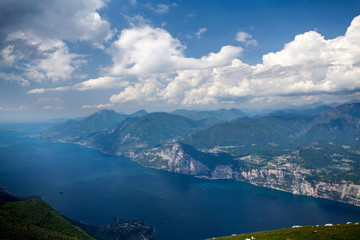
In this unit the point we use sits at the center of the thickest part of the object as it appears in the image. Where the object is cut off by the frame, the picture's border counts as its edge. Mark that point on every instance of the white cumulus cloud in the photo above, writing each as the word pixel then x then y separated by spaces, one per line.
pixel 310 65
pixel 149 65
pixel 246 38
pixel 33 35
pixel 145 50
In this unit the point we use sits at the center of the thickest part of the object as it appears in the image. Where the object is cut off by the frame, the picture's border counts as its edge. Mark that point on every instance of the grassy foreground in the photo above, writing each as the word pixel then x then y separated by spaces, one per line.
pixel 35 219
pixel 342 231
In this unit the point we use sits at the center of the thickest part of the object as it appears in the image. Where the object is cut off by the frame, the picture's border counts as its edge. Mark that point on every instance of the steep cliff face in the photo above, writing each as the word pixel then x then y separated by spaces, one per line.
pixel 171 158
pixel 296 183
pixel 279 173
pixel 180 162
pixel 223 172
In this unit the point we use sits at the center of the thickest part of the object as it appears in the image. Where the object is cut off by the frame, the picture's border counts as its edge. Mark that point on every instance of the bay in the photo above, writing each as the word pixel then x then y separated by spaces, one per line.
pixel 92 187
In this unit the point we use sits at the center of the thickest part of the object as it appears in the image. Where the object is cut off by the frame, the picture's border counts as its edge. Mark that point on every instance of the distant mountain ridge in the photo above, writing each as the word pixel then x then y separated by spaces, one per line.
pixel 313 152
pixel 73 130
pixel 339 125
pixel 301 112
pixel 211 117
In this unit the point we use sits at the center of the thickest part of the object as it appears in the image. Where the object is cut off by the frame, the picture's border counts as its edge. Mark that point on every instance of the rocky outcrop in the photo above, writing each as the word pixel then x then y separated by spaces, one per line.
pixel 223 172
pixel 296 183
pixel 180 162
pixel 171 158
pixel 288 177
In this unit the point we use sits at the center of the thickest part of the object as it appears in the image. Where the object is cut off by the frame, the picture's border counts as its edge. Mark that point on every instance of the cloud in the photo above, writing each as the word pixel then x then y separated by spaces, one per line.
pixel 33 35
pixel 137 20
pixel 105 82
pixel 41 58
pixel 6 56
pixel 52 107
pixel 101 83
pixel 107 105
pixel 142 51
pixel 52 19
pixel 308 66
pixel 159 8
pixel 47 101
pixel 246 38
pixel 11 77
pixel 147 91
pixel 37 90
pixel 201 31
pixel 149 65
pixel 133 2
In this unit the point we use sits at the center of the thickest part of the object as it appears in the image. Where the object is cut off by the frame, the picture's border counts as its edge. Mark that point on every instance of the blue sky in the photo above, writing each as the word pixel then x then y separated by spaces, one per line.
pixel 72 58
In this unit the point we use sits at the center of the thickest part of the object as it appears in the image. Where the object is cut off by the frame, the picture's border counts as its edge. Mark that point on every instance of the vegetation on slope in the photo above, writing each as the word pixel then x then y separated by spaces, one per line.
pixel 339 232
pixel 35 219
pixel 147 131
pixel 244 136
pixel 120 230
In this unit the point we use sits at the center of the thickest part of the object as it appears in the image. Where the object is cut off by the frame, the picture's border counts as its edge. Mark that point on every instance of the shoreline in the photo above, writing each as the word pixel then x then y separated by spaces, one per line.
pixel 132 158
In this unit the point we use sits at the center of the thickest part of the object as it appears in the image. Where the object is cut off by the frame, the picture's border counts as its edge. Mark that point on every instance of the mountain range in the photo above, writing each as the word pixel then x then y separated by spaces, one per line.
pixel 312 152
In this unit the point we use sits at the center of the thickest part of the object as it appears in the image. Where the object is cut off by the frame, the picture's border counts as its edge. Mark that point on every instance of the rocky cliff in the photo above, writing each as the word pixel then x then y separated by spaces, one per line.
pixel 280 172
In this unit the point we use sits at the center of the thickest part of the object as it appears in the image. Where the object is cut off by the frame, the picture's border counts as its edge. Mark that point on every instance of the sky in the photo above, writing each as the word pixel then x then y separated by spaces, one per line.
pixel 70 58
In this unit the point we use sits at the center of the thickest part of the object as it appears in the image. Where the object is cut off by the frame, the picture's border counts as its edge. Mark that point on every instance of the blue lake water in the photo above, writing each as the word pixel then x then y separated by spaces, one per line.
pixel 97 187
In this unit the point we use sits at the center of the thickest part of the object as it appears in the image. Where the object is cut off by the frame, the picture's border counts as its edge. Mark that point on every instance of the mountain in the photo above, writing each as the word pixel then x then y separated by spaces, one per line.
pixel 101 120
pixel 314 153
pixel 35 219
pixel 278 131
pixel 76 130
pixel 139 113
pixel 244 136
pixel 340 125
pixel 310 155
pixel 301 112
pixel 73 130
pixel 211 117
pixel 148 131
pixel 349 231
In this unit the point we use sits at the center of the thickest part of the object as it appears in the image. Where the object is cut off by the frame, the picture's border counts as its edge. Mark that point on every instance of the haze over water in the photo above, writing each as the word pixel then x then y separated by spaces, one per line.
pixel 89 186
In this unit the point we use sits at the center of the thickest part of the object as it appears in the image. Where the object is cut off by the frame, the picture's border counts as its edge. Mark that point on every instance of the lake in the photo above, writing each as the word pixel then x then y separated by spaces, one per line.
pixel 92 187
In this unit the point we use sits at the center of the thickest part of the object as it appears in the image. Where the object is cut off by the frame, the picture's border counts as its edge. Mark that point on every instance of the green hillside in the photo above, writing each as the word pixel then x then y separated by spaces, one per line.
pixel 246 135
pixel 35 219
pixel 147 131
pixel 281 131
pixel 339 232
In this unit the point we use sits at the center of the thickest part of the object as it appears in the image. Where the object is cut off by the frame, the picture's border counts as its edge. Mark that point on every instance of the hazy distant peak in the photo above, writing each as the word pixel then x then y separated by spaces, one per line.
pixel 139 113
